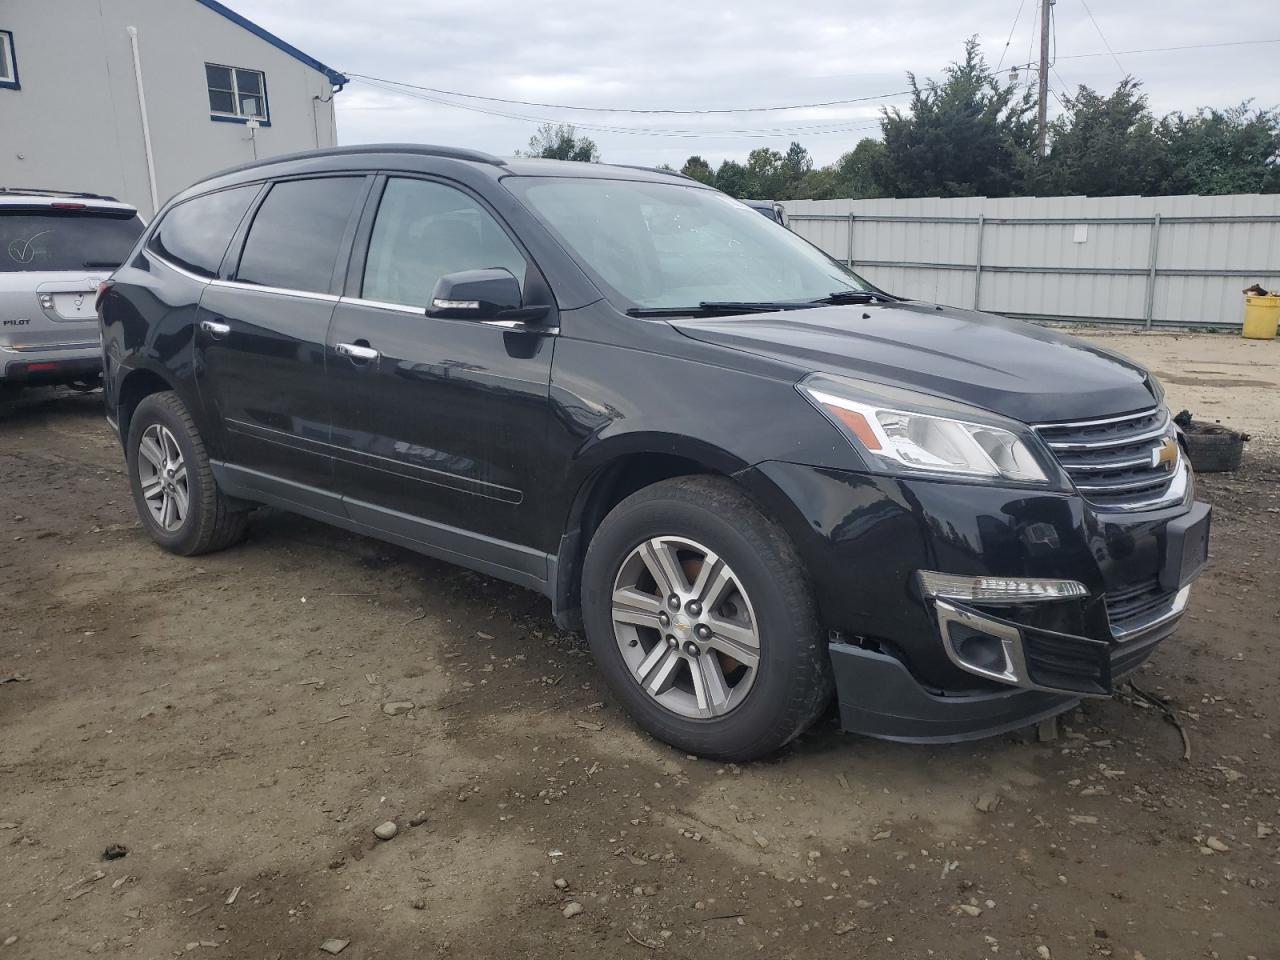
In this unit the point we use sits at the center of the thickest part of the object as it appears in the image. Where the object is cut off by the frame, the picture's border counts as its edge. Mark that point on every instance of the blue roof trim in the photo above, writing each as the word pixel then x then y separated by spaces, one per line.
pixel 334 76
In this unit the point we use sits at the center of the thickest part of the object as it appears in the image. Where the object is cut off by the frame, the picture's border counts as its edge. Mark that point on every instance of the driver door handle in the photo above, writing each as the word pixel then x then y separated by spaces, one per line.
pixel 357 352
pixel 215 329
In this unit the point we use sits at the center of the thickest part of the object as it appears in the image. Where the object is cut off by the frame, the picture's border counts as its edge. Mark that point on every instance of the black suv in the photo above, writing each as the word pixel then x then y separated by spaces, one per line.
pixel 751 477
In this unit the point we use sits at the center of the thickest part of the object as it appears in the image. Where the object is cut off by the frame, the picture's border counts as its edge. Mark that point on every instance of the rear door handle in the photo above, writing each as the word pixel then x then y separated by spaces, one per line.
pixel 215 329
pixel 358 353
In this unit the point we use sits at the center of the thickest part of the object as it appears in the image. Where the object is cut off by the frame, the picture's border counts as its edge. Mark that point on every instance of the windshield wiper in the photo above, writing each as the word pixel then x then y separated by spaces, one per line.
pixel 102 264
pixel 854 296
pixel 710 308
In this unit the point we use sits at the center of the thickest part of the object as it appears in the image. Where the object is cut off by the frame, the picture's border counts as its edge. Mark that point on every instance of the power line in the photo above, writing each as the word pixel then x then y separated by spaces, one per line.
pixel 1103 37
pixel 1188 46
pixel 822 129
pixel 1066 87
pixel 568 106
pixel 1016 17
pixel 1109 53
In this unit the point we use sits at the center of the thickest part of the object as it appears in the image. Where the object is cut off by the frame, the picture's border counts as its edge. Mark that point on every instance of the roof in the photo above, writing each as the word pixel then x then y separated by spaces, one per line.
pixel 336 78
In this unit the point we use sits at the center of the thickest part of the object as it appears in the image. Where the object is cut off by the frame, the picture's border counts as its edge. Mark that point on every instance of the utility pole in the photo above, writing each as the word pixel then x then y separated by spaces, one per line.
pixel 1045 8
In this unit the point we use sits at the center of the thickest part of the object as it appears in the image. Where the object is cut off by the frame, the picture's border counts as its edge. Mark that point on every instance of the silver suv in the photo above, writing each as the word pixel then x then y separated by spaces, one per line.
pixel 55 248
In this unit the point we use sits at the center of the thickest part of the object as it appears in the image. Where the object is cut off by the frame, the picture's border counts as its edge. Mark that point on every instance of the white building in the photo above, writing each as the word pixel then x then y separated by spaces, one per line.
pixel 138 99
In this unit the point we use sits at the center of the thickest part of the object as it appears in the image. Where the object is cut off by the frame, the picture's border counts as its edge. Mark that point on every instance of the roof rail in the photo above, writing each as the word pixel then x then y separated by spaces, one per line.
pixel 420 149
pixel 670 173
pixel 41 192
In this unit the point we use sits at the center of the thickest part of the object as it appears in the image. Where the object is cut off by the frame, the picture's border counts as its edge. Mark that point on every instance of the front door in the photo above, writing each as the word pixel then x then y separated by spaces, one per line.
pixel 438 425
pixel 260 337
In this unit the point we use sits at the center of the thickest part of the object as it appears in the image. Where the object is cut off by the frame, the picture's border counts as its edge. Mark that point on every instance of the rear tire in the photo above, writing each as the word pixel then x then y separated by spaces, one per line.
pixel 172 480
pixel 631 621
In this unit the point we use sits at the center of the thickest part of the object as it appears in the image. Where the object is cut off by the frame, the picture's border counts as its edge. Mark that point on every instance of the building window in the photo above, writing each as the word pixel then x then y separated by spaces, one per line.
pixel 8 66
pixel 236 93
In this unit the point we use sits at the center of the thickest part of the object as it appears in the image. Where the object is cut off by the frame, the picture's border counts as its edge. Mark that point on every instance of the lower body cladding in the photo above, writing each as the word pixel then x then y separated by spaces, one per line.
pixel 959 611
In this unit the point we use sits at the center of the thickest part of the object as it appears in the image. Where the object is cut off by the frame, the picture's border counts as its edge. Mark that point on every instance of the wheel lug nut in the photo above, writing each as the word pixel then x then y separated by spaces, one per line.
pixel 673 602
pixel 702 631
pixel 672 641
pixel 691 649
pixel 694 608
pixel 664 618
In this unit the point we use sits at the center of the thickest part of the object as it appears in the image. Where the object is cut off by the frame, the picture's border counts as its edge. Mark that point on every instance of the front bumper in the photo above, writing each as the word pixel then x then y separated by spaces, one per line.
pixel 894 651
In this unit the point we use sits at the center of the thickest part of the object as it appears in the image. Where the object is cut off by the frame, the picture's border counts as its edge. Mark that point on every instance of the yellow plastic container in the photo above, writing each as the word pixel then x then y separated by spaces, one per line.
pixel 1261 317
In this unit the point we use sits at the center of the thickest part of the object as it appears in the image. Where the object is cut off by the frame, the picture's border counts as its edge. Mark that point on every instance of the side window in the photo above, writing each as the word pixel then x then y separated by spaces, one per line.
pixel 195 234
pixel 424 230
pixel 8 66
pixel 236 92
pixel 294 240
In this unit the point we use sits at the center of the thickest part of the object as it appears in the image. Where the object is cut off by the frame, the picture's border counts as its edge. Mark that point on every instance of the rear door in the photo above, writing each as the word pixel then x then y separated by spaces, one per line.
pixel 260 354
pixel 52 259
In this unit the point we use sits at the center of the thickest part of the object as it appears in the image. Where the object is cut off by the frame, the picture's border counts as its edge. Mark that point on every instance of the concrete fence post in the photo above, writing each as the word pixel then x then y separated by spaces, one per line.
pixel 850 261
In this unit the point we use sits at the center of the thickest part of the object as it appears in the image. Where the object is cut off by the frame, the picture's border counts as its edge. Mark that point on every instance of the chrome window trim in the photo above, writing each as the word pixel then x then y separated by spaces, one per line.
pixel 283 291
pixel 237 285
pixel 189 274
pixel 516 326
pixel 384 305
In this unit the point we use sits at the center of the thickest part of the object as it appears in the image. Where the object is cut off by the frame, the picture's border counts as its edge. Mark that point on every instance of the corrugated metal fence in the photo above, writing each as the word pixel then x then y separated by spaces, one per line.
pixel 1154 261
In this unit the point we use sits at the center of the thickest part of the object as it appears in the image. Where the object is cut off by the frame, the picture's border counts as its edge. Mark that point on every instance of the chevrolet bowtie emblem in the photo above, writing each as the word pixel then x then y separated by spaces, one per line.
pixel 1167 452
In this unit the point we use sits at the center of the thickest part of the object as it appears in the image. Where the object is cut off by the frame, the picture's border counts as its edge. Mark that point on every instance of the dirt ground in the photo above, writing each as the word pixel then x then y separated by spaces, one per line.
pixel 223 719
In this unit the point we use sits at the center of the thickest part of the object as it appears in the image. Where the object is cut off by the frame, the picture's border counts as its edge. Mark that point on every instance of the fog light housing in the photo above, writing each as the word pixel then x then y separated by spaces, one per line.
pixel 981 651
pixel 950 586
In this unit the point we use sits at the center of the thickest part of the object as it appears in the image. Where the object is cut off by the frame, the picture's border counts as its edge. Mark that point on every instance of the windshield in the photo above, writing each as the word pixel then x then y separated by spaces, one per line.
pixel 665 245
pixel 65 241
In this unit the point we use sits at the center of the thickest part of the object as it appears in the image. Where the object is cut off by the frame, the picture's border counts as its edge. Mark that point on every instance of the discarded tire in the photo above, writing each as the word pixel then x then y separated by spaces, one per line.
pixel 1213 448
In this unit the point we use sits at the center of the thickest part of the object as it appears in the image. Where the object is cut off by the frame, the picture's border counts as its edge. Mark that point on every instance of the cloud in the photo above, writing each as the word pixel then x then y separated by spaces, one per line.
pixel 694 54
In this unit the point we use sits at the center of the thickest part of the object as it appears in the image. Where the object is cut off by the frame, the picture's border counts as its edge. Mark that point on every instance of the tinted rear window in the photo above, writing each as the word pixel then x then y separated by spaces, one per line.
pixel 65 241
pixel 195 234
pixel 296 233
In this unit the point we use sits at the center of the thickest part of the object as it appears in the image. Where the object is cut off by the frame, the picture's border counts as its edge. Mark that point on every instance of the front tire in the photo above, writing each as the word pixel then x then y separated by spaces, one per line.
pixel 702 621
pixel 174 490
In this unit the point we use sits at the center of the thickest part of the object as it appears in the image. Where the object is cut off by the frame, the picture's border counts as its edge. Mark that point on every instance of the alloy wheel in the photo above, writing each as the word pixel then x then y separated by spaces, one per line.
pixel 685 627
pixel 163 477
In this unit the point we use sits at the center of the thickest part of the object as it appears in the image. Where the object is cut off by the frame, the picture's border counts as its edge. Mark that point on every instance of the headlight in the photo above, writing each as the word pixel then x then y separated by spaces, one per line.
pixel 901 440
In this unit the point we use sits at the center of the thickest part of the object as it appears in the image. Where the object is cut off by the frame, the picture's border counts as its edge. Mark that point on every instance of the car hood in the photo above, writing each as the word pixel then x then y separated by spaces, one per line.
pixel 1010 367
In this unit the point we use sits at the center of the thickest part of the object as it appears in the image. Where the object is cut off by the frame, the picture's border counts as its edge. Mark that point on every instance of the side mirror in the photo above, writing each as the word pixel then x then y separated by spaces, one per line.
pixel 489 294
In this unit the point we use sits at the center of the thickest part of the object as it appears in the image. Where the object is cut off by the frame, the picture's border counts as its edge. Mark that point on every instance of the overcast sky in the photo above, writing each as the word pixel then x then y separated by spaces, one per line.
pixel 691 54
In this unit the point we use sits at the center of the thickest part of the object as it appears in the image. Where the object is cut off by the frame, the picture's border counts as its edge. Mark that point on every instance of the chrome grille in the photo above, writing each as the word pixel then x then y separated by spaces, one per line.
pixel 1113 461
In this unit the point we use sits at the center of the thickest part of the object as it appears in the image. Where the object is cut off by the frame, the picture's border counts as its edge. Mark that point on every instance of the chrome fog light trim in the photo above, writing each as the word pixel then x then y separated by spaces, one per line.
pixel 1014 669
pixel 950 586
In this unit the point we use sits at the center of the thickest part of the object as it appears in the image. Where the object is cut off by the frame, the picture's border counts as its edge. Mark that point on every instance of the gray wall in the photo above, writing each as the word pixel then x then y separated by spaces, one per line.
pixel 1091 259
pixel 75 122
